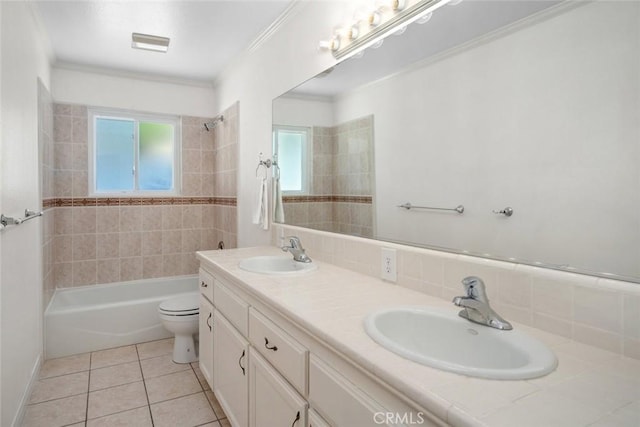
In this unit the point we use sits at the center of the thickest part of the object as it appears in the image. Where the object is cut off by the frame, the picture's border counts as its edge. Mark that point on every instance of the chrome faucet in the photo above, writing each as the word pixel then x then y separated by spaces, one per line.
pixel 296 249
pixel 476 306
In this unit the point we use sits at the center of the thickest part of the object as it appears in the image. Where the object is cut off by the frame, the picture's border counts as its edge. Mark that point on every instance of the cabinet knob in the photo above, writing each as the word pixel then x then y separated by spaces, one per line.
pixel 204 285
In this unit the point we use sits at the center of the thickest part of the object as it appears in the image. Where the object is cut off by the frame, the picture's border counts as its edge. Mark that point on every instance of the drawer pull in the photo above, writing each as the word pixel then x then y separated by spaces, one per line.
pixel 240 362
pixel 266 345
pixel 203 284
pixel 209 324
pixel 296 420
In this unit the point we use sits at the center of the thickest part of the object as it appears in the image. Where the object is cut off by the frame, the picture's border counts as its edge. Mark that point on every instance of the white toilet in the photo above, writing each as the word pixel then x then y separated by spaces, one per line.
pixel 180 316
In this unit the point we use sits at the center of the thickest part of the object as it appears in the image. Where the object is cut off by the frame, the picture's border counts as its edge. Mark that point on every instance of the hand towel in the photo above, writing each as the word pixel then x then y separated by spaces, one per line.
pixel 278 209
pixel 260 214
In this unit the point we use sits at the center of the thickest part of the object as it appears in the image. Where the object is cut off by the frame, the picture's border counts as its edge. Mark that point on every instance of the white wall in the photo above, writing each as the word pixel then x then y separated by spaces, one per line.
pixel 544 120
pixel 24 60
pixel 294 111
pixel 132 93
pixel 282 62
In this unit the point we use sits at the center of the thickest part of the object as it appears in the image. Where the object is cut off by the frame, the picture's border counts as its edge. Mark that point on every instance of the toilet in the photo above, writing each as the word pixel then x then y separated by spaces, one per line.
pixel 179 315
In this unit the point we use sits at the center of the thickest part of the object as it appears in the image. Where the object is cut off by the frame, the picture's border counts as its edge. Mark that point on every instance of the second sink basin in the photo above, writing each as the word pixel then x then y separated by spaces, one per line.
pixel 446 341
pixel 275 265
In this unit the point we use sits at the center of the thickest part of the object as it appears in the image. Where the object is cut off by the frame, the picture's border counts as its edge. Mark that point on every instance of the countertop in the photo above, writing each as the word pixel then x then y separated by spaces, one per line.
pixel 590 386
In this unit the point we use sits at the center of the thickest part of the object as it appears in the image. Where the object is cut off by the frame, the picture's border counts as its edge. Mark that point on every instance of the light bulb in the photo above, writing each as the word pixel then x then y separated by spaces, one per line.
pixel 354 32
pixel 398 5
pixel 426 18
pixel 377 44
pixel 400 31
pixel 374 19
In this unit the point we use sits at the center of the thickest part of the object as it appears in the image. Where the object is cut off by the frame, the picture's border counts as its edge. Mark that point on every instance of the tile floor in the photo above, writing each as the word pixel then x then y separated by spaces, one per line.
pixel 137 385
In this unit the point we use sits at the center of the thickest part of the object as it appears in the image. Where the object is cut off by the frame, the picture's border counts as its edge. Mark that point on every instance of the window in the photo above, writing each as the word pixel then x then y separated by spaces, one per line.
pixel 133 154
pixel 290 148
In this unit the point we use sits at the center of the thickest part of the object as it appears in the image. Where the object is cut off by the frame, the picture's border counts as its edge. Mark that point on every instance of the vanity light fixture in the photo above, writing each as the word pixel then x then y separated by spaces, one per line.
pixel 149 42
pixel 378 24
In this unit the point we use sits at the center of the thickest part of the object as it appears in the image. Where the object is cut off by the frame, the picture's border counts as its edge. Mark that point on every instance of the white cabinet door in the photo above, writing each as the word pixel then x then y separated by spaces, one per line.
pixel 205 347
pixel 272 401
pixel 230 370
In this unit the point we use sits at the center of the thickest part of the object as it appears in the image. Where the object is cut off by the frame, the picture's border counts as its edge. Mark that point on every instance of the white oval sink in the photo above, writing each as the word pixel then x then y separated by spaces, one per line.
pixel 275 265
pixel 446 341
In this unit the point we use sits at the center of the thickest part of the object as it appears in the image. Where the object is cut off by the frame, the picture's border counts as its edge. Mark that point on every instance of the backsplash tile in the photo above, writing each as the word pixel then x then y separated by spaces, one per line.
pixel 604 313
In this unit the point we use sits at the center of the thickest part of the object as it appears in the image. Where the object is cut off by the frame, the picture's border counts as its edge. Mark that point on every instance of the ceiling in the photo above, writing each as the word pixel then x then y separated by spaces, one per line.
pixel 205 35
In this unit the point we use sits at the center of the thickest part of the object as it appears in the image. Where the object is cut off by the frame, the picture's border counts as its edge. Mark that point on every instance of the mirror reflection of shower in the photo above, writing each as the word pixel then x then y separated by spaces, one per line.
pixel 213 123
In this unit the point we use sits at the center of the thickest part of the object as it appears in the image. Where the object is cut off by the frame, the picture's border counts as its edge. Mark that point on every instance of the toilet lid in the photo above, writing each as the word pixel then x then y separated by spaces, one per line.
pixel 185 304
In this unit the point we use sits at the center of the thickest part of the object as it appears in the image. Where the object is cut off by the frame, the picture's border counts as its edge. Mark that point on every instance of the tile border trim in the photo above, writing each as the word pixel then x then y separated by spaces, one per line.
pixel 136 201
pixel 328 198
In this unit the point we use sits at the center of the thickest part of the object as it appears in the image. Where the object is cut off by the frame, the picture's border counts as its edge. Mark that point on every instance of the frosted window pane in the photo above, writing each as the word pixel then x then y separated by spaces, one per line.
pixel 290 160
pixel 156 156
pixel 114 155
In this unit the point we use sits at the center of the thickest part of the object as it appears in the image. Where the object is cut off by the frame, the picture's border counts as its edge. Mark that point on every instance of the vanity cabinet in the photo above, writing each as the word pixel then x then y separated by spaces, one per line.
pixel 273 402
pixel 231 362
pixel 268 371
pixel 205 329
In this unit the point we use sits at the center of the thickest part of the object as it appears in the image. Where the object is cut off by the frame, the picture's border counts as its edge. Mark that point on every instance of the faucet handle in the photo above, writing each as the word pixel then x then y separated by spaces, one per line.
pixel 295 242
pixel 474 287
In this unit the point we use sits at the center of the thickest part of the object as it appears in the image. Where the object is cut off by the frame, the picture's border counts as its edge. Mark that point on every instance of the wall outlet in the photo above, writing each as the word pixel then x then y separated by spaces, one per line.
pixel 389 271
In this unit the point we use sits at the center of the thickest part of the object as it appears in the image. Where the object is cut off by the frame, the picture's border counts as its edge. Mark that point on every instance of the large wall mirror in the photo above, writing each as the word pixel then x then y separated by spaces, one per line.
pixel 527 105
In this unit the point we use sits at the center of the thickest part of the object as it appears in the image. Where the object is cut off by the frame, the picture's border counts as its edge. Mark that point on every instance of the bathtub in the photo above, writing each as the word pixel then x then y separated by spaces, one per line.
pixel 90 318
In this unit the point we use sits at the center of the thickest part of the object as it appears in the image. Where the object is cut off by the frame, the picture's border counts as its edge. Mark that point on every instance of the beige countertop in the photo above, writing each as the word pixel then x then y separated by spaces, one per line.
pixel 590 386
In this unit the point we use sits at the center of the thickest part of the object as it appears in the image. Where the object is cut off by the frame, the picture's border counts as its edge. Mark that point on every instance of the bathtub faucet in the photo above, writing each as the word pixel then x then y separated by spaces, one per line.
pixel 476 306
pixel 296 249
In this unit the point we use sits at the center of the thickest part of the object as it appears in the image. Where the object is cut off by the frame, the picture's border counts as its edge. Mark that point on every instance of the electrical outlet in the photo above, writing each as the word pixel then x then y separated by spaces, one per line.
pixel 389 272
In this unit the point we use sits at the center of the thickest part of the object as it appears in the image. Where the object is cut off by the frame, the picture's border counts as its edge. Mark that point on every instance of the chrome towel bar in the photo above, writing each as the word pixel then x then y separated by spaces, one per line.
pixel 28 214
pixel 409 206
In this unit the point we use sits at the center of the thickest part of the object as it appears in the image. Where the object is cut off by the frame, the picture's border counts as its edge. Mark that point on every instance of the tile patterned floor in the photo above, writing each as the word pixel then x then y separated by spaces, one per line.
pixel 137 385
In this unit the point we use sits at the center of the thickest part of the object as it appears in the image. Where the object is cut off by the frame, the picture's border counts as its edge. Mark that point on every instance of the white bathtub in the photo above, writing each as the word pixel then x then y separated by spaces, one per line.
pixel 91 318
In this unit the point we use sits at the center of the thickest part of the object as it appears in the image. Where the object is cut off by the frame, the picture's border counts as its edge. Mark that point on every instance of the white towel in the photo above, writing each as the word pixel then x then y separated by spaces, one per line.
pixel 260 215
pixel 278 209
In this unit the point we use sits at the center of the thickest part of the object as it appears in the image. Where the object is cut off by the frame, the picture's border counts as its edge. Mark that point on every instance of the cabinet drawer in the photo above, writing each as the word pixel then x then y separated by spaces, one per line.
pixel 284 353
pixel 315 420
pixel 234 308
pixel 206 285
pixel 338 400
pixel 272 401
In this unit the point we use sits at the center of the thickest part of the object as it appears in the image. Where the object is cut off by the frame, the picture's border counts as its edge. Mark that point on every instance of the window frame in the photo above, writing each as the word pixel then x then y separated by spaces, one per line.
pixel 307 158
pixel 110 113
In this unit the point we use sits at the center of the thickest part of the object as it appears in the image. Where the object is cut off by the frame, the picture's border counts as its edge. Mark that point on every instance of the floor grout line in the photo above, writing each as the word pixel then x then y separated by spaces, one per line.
pixel 86 412
pixel 144 383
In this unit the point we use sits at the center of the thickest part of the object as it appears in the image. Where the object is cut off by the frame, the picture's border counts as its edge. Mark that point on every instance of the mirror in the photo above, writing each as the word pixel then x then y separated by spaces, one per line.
pixel 532 106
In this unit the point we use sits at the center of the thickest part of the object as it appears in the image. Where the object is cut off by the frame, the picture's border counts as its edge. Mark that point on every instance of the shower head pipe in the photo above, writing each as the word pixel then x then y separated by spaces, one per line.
pixel 213 123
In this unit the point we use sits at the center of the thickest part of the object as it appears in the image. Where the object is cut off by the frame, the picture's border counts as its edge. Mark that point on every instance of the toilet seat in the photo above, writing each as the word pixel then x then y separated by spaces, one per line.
pixel 186 305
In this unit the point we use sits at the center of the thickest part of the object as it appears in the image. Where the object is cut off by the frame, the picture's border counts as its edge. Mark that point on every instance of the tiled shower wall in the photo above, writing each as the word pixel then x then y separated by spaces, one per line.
pixel 104 240
pixel 342 188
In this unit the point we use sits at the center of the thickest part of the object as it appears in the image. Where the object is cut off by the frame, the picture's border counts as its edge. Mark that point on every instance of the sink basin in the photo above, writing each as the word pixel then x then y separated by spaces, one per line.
pixel 275 265
pixel 446 341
